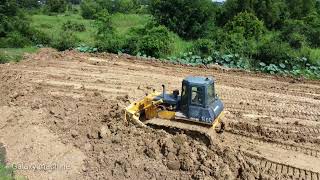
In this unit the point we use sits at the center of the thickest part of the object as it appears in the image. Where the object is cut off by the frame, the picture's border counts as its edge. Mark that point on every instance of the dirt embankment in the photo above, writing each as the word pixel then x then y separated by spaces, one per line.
pixel 67 109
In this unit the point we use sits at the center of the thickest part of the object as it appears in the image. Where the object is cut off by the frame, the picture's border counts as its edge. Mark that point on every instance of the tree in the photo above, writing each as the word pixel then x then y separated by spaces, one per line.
pixel 272 12
pixel 57 6
pixel 15 28
pixel 247 23
pixel 29 4
pixel 188 18
pixel 8 8
pixel 300 8
pixel 106 38
pixel 233 7
pixel 312 31
pixel 74 1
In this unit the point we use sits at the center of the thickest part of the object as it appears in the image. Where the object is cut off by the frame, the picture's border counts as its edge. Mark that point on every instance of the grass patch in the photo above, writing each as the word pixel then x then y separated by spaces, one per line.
pixel 14 54
pixel 315 56
pixel 180 45
pixel 123 22
pixel 5 172
pixel 52 25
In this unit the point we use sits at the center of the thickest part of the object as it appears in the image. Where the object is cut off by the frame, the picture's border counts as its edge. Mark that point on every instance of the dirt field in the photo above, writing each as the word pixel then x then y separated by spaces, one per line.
pixel 65 111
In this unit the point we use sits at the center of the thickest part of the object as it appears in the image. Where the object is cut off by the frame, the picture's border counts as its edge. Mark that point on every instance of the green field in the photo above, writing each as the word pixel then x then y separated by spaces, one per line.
pixel 52 26
pixel 121 22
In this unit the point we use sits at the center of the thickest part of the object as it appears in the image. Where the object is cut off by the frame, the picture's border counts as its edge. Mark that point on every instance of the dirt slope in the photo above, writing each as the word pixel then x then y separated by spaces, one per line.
pixel 66 110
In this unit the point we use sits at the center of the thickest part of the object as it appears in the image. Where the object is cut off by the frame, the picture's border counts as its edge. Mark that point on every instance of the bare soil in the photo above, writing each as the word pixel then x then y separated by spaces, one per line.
pixel 65 110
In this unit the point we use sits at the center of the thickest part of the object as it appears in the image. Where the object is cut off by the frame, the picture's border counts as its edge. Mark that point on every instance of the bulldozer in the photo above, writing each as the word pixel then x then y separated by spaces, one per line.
pixel 197 109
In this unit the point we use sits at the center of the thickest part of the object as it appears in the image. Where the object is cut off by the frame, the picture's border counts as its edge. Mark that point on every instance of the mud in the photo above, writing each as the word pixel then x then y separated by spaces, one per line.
pixel 67 108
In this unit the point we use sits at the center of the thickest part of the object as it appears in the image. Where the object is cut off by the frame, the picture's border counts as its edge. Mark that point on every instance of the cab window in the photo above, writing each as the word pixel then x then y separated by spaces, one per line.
pixel 197 96
pixel 211 94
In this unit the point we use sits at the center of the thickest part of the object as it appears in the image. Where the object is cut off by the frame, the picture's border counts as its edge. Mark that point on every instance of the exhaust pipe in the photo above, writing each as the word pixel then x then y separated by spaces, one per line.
pixel 163 90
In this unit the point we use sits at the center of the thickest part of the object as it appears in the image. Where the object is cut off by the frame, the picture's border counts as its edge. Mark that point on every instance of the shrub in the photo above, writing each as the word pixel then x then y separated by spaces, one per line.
pixel 156 42
pixel 106 38
pixel 73 26
pixel 203 47
pixel 188 18
pixel 89 8
pixel 56 6
pixel 16 40
pixel 296 40
pixel 274 52
pixel 109 43
pixel 3 59
pixel 40 38
pixel 152 40
pixel 248 24
pixel 66 40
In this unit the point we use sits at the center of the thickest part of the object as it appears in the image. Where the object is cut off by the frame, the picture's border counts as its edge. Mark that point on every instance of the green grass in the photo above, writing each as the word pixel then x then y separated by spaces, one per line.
pixel 180 45
pixel 52 25
pixel 5 172
pixel 14 54
pixel 123 22
pixel 315 55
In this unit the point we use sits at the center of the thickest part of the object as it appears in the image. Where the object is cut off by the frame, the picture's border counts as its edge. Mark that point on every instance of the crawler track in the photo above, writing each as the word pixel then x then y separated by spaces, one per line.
pixel 189 128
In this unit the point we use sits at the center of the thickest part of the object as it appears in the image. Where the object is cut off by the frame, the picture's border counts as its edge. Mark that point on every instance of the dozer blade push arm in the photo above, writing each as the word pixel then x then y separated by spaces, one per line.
pixel 147 106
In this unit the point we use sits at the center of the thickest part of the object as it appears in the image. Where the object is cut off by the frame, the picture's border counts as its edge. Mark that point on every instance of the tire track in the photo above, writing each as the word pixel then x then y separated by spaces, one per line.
pixel 286 146
pixel 288 170
pixel 281 128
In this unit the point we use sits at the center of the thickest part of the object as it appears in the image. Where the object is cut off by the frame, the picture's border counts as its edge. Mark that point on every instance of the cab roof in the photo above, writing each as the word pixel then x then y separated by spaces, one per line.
pixel 200 80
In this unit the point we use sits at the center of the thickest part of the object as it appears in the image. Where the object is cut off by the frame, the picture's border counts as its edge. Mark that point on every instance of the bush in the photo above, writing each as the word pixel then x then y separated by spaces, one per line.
pixel 274 52
pixel 66 40
pixel 203 47
pixel 16 40
pixel 4 58
pixel 296 40
pixel 156 43
pixel 248 24
pixel 40 38
pixel 151 40
pixel 188 18
pixel 56 6
pixel 106 39
pixel 109 43
pixel 73 26
pixel 89 8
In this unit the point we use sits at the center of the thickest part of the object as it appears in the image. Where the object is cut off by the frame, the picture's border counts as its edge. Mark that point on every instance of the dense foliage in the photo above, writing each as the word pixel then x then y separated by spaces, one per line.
pixel 188 18
pixel 56 6
pixel 152 39
pixel 15 30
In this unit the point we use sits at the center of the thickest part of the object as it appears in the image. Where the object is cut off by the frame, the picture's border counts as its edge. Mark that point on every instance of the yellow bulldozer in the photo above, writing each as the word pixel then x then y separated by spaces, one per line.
pixel 197 109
